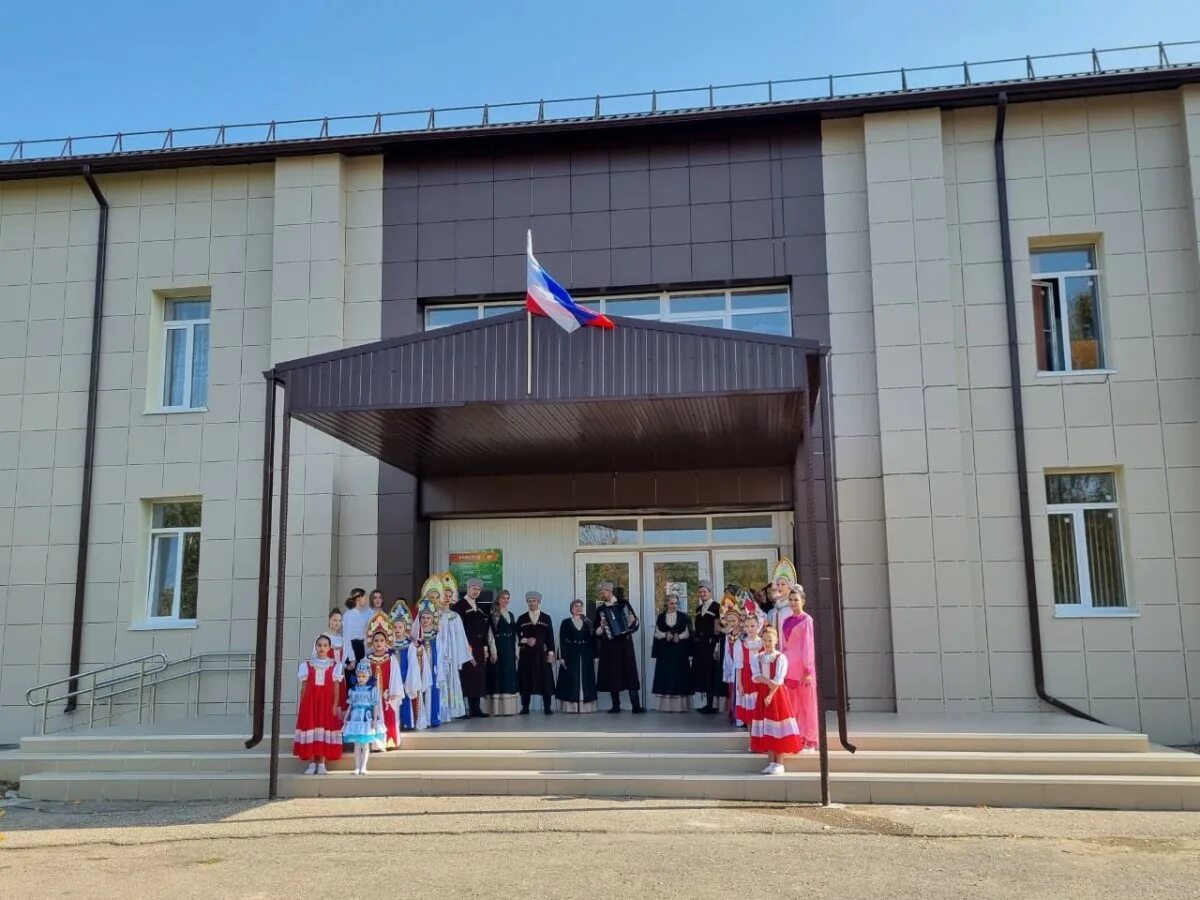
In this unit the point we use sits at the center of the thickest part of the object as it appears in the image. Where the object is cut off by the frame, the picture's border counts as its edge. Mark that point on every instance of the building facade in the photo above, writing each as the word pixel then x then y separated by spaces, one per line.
pixel 873 227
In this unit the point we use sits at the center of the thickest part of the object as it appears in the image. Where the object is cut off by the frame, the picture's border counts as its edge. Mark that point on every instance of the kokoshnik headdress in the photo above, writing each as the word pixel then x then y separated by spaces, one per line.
pixel 450 583
pixel 785 572
pixel 430 601
pixel 381 622
pixel 431 590
pixel 401 615
pixel 425 605
pixel 749 608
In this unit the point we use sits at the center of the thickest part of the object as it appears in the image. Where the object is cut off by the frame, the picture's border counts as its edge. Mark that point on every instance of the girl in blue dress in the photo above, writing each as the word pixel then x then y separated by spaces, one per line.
pixel 364 717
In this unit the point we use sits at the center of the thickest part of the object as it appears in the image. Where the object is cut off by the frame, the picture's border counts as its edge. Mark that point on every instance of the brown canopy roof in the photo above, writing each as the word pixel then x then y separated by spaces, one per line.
pixel 645 395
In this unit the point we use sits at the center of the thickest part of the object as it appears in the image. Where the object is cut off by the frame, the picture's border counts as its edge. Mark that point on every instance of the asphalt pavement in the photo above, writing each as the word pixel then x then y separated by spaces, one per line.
pixel 496 847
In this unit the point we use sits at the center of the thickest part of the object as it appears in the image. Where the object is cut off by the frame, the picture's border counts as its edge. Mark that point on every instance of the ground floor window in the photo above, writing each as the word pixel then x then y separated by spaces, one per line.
pixel 174 561
pixel 1085 542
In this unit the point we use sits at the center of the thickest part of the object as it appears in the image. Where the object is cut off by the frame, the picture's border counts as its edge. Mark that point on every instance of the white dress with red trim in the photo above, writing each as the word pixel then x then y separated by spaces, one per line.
pixel 774 728
pixel 745 667
pixel 318 724
pixel 343 655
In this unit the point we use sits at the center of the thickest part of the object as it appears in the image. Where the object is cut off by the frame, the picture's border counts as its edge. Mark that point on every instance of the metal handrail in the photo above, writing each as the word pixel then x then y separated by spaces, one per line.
pixel 630 104
pixel 145 681
pixel 195 658
pixel 147 665
pixel 92 674
pixel 198 660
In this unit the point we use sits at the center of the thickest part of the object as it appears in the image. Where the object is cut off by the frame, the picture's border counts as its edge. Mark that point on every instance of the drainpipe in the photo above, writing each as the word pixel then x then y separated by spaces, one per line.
pixel 833 534
pixel 89 440
pixel 1018 410
pixel 264 563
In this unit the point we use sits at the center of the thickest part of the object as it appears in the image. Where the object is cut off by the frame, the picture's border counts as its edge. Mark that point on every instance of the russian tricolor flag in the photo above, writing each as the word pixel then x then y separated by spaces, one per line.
pixel 546 297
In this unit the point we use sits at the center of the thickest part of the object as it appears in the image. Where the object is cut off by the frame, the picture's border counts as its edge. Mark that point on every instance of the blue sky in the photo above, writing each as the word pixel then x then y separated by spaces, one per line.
pixel 133 64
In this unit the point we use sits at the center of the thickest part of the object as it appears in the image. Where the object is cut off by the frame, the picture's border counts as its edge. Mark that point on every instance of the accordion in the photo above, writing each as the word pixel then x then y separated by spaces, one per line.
pixel 617 618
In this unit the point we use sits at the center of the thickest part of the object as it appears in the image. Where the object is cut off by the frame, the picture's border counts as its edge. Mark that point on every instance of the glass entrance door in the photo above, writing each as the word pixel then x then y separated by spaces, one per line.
pixel 646 577
pixel 619 568
pixel 676 571
pixel 622 570
pixel 749 568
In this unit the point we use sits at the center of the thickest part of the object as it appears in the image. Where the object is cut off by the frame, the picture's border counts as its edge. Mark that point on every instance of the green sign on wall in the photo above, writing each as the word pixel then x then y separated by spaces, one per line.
pixel 486 565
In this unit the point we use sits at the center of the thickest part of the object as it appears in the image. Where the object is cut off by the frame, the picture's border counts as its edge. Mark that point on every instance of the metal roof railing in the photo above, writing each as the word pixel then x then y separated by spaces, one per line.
pixel 1082 63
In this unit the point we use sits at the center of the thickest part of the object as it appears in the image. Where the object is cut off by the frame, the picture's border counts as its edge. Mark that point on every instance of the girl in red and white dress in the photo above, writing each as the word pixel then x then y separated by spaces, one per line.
pixel 318 735
pixel 342 653
pixel 773 730
pixel 744 669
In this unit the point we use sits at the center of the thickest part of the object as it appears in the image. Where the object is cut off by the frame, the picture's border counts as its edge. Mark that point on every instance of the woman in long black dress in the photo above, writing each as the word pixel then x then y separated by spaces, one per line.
pixel 672 652
pixel 535 659
pixel 576 689
pixel 502 673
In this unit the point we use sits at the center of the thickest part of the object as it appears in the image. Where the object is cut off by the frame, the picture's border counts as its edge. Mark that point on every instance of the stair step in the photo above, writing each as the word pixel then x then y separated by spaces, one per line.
pixel 618 762
pixel 453 738
pixel 1068 791
pixel 254 762
pixel 1166 762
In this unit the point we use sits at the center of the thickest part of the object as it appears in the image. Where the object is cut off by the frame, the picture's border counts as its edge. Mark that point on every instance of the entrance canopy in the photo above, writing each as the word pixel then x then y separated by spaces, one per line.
pixel 509 396
pixel 646 395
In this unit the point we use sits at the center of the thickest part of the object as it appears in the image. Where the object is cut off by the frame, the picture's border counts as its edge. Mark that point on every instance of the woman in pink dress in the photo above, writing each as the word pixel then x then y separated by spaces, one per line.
pixel 773 729
pixel 796 635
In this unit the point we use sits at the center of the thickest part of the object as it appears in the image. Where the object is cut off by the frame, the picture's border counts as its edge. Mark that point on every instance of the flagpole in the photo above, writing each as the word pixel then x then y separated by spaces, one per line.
pixel 528 321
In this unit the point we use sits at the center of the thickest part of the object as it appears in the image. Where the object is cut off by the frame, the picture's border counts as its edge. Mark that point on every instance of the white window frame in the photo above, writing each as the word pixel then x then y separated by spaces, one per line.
pixel 1083 567
pixel 177 532
pixel 600 304
pixel 1059 282
pixel 709 540
pixel 188 326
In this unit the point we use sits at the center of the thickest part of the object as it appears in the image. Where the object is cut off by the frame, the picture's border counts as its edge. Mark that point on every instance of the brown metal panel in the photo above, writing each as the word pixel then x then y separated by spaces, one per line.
pixel 599 493
pixel 676 489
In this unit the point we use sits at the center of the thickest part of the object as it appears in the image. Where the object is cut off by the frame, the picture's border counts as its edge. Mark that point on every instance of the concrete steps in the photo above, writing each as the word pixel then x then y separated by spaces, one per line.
pixel 931 789
pixel 1164 763
pixel 453 738
pixel 1059 765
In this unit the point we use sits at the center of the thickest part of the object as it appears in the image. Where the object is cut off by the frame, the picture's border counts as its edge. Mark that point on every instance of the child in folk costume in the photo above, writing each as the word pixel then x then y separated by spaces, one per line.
pixel 343 654
pixel 773 729
pixel 364 717
pixel 745 696
pixel 423 665
pixel 797 644
pixel 402 650
pixel 731 631
pixel 385 673
pixel 318 735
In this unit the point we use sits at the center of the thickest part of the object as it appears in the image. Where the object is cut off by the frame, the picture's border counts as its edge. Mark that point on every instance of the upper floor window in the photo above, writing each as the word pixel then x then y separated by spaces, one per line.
pixel 761 310
pixel 185 353
pixel 1085 543
pixel 174 561
pixel 1066 309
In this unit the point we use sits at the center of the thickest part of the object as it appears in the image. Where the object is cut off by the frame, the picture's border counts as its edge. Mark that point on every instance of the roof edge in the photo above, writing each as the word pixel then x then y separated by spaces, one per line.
pixel 749 337
pixel 981 94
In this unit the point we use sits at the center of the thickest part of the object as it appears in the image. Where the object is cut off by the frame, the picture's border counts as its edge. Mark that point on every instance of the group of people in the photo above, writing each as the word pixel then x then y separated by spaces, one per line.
pixel 375 673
